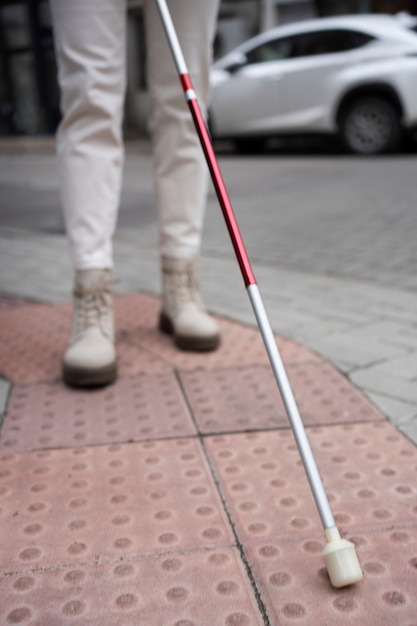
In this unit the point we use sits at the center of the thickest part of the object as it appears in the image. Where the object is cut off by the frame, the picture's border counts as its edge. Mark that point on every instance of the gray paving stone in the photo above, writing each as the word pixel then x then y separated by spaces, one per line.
pixel 4 396
pixel 397 410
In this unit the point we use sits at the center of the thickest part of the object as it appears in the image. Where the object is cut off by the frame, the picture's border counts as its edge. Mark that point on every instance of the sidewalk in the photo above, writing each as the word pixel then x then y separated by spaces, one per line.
pixel 177 497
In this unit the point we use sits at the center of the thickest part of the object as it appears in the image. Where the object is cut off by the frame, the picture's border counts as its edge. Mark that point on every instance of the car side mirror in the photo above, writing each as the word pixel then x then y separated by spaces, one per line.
pixel 236 62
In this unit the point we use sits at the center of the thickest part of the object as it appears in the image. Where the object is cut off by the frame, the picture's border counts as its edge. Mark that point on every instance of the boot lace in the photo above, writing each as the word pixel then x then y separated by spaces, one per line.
pixel 92 309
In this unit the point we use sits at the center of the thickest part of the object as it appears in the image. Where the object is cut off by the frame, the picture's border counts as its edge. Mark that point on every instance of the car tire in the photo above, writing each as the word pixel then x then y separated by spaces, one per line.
pixel 252 145
pixel 370 125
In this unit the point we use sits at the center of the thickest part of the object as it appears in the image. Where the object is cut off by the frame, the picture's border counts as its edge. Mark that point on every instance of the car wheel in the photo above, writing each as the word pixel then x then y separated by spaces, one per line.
pixel 252 145
pixel 370 125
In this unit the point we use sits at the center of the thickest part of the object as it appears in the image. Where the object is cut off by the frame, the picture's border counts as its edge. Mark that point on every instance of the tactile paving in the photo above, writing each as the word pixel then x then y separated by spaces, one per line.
pixel 248 398
pixel 33 339
pixel 51 415
pixel 35 336
pixel 295 587
pixel 67 507
pixel 368 470
pixel 195 589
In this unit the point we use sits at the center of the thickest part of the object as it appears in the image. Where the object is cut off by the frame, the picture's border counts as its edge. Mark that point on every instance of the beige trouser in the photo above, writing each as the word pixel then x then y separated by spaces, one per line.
pixel 90 42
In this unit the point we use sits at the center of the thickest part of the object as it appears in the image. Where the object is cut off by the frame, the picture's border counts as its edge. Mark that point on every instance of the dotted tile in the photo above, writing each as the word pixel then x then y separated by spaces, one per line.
pixel 295 587
pixel 171 590
pixel 33 339
pixel 369 472
pixel 67 507
pixel 51 415
pixel 248 398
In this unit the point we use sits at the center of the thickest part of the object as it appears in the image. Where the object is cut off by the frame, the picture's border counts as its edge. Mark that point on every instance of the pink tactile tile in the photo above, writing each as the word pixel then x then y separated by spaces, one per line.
pixel 295 588
pixel 66 507
pixel 368 470
pixel 137 316
pixel 248 398
pixel 195 589
pixel 50 415
pixel 33 339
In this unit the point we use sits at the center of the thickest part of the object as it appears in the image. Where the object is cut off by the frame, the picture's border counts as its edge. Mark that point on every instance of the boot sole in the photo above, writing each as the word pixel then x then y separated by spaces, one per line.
pixel 186 343
pixel 78 377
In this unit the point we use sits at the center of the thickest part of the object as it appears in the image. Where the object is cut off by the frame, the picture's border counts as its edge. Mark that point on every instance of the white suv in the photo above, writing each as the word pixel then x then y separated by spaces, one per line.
pixel 355 76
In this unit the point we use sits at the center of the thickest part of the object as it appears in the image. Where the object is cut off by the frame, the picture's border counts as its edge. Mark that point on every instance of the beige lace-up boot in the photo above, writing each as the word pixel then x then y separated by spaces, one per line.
pixel 183 313
pixel 91 358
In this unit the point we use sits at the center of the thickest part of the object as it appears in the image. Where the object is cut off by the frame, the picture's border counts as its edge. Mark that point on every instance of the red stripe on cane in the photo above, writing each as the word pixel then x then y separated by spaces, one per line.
pixel 186 82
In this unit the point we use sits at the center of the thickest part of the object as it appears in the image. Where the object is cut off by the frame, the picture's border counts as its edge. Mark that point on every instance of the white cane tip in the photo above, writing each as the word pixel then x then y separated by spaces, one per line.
pixel 341 560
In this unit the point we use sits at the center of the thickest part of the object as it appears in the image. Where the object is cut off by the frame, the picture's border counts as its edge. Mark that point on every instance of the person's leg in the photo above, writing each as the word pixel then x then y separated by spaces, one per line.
pixel 180 170
pixel 89 40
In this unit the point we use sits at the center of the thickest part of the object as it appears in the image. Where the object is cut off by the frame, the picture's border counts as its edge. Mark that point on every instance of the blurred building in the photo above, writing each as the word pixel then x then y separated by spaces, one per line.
pixel 29 98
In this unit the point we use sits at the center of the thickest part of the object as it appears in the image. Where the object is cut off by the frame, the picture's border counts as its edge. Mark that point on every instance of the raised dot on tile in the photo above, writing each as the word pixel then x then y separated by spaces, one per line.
pixel 280 579
pixel 394 598
pixel 167 538
pixel 32 529
pixel 77 547
pixel 388 471
pixel 218 558
pixel 399 537
pixel 74 577
pixel 24 583
pixel 29 554
pixel 177 594
pixel 119 499
pixel 36 507
pixel 404 490
pixel 289 502
pixel 163 515
pixel 19 616
pixel 237 619
pixel 226 587
pixel 294 610
pixel 122 543
pixel 312 546
pixel 172 564
pixel 119 520
pixel 257 528
pixel 198 491
pixel 117 480
pixel 268 552
pixel 211 533
pixel 79 484
pixel 299 522
pixel 205 511
pixel 277 482
pixel 158 495
pixel 344 604
pixel 73 608
pixel 374 568
pixel 366 493
pixel 124 570
pixel 382 514
pixel 248 506
pixel 192 473
pixel 78 503
pixel 126 601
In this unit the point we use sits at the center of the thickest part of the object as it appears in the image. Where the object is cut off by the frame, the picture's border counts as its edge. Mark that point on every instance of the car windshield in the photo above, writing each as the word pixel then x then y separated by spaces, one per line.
pixel 308 44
